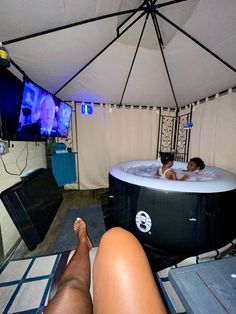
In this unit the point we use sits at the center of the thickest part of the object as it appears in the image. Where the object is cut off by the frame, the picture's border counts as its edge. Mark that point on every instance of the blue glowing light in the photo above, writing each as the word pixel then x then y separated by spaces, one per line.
pixel 188 125
pixel 87 110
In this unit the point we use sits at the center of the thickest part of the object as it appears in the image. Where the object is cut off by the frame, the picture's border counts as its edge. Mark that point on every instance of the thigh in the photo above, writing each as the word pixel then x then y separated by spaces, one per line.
pixel 123 280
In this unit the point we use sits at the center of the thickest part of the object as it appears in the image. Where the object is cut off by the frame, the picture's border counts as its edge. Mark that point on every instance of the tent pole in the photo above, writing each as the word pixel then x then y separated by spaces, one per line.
pixel 135 54
pixel 161 49
pixel 213 96
pixel 158 33
pixel 189 133
pixel 158 135
pixel 128 18
pixel 195 40
pixel 140 7
pixel 100 52
pixel 175 130
pixel 56 29
pixel 18 68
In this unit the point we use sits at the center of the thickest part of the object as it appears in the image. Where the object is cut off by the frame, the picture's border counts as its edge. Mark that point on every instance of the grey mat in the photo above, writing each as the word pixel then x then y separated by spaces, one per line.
pixel 95 223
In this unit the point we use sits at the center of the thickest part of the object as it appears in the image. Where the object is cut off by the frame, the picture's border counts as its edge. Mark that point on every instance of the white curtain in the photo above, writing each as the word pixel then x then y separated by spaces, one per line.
pixel 112 135
pixel 213 137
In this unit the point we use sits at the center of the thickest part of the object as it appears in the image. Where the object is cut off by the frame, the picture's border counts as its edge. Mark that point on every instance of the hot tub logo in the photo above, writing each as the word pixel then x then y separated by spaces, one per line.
pixel 143 221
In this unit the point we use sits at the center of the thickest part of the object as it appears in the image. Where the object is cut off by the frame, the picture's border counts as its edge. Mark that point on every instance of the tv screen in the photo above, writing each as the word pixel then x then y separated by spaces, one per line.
pixel 42 114
pixel 11 90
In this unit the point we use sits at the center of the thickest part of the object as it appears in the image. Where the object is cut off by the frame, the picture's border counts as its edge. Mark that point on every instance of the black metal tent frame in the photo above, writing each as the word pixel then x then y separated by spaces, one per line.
pixel 148 8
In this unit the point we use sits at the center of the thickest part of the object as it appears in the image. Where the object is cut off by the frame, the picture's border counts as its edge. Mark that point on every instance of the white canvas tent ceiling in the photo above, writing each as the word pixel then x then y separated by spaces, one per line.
pixel 92 60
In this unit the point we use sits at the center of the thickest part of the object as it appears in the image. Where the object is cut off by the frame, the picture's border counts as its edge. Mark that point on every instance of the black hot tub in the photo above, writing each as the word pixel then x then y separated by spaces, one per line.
pixel 178 217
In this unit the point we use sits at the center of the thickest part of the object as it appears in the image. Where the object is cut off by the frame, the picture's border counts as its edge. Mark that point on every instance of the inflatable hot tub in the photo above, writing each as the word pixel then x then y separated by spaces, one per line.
pixel 178 217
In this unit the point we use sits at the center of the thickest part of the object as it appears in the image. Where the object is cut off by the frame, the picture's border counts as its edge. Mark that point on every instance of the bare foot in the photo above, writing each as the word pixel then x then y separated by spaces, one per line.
pixel 80 229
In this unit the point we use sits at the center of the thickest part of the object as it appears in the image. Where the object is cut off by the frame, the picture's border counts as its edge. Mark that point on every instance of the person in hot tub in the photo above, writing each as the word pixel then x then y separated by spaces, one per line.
pixel 195 164
pixel 165 171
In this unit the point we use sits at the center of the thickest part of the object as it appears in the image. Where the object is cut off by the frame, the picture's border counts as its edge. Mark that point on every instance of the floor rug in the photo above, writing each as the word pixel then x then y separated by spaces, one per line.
pixel 95 223
pixel 25 284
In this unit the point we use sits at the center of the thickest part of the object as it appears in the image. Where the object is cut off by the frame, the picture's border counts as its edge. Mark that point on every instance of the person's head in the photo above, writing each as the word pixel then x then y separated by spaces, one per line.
pixel 167 159
pixel 195 163
pixel 47 112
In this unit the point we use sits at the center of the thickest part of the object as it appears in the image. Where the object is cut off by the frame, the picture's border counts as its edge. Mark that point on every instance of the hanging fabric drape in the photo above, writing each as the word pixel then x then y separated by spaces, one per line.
pixel 213 136
pixel 112 135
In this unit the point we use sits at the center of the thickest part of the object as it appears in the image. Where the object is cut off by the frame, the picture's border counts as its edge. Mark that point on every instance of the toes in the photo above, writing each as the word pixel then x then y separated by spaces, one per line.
pixel 76 225
pixel 77 221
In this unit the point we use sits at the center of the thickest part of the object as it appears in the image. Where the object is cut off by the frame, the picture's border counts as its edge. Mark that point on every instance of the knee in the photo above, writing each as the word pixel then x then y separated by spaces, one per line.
pixel 119 248
pixel 115 233
pixel 116 237
pixel 73 283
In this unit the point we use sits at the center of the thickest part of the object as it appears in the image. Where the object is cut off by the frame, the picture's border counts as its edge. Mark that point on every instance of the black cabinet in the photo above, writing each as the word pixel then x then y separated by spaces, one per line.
pixel 32 204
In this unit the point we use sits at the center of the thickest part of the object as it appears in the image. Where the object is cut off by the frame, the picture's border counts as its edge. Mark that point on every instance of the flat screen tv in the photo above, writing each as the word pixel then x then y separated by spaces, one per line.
pixel 42 114
pixel 11 89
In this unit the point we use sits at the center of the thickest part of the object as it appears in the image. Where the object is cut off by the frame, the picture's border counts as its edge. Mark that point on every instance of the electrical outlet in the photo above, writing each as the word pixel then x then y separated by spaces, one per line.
pixel 3 147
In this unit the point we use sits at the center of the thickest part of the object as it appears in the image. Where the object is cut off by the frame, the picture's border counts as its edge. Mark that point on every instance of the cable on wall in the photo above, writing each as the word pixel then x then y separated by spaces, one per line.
pixel 26 162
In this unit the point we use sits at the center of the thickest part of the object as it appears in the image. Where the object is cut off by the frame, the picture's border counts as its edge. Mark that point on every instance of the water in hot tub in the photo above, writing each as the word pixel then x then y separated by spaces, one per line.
pixel 150 172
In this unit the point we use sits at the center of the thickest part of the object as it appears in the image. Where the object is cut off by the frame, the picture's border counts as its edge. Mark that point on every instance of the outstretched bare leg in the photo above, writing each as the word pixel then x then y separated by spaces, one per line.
pixel 73 294
pixel 123 280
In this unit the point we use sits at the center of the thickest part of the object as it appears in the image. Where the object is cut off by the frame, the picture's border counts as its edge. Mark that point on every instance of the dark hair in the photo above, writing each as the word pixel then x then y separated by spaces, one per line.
pixel 199 162
pixel 166 157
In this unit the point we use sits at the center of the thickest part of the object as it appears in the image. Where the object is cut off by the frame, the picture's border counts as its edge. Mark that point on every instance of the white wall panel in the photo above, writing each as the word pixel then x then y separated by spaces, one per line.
pixel 15 161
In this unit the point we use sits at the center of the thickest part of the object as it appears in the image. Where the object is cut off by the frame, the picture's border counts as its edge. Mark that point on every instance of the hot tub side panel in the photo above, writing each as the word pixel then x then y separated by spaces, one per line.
pixel 123 200
pixel 177 222
pixel 173 220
